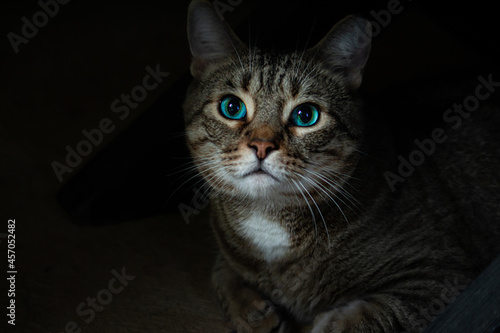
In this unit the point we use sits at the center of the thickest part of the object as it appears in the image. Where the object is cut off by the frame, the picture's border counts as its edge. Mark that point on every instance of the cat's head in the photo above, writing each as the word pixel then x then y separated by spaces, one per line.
pixel 272 125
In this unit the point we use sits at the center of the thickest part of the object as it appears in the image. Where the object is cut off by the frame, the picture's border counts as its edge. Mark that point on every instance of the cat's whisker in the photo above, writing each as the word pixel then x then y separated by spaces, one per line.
pixel 290 181
pixel 326 190
pixel 321 188
pixel 219 175
pixel 206 188
pixel 333 172
pixel 347 195
pixel 317 207
pixel 336 190
pixel 196 175
pixel 193 169
pixel 187 167
pixel 339 189
pixel 308 205
pixel 201 171
pixel 175 135
pixel 344 177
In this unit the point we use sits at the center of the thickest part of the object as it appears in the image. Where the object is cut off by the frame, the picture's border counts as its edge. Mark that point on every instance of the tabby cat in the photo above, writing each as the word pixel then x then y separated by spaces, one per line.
pixel 309 231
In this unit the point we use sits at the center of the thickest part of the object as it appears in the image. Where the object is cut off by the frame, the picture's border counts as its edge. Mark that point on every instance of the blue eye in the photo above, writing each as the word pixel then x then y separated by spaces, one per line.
pixel 232 107
pixel 304 115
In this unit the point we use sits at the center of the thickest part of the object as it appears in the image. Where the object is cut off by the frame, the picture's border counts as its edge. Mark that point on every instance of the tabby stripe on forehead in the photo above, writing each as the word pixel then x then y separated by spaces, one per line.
pixel 245 81
pixel 295 87
pixel 280 80
pixel 261 80
pixel 230 84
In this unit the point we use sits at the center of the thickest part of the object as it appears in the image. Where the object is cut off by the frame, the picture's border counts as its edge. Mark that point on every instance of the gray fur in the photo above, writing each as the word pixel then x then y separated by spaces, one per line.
pixel 360 258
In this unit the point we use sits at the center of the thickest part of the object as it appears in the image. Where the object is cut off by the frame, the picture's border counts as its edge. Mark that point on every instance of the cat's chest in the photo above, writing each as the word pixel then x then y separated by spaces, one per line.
pixel 268 237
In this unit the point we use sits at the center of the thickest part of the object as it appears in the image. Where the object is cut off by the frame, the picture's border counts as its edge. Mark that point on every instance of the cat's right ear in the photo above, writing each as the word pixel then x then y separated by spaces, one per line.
pixel 210 38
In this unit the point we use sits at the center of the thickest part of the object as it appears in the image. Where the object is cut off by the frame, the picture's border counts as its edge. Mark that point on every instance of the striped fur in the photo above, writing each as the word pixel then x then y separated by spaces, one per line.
pixel 316 237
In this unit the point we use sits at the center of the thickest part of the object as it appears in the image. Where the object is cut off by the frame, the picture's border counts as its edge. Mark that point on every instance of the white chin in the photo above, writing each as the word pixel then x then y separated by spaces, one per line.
pixel 258 185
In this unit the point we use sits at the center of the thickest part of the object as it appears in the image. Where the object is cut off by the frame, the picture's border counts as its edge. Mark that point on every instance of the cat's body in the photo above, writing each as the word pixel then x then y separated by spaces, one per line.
pixel 309 230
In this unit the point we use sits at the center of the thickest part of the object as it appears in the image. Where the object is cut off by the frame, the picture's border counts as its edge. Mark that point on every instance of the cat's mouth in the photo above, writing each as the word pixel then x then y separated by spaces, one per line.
pixel 259 172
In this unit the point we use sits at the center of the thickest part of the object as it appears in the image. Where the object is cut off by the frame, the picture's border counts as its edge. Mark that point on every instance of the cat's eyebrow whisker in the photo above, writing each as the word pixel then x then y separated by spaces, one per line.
pixel 316 65
pixel 249 46
pixel 251 52
pixel 296 62
pixel 307 43
pixel 303 80
pixel 235 49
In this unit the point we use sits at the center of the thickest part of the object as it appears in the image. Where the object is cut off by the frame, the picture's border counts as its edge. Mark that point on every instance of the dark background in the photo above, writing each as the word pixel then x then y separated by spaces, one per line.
pixel 120 206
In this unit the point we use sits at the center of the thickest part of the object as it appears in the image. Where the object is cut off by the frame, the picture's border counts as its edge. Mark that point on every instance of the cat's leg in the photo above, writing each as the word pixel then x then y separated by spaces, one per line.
pixel 367 316
pixel 247 310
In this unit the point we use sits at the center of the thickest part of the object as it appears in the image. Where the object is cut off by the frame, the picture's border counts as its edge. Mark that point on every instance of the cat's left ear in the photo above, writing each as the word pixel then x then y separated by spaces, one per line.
pixel 346 49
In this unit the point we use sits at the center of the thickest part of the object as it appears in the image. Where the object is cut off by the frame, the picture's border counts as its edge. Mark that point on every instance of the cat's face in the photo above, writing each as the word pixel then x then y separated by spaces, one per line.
pixel 267 125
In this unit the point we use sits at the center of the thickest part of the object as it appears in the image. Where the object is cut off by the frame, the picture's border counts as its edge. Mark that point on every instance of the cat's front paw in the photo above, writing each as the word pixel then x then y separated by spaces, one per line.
pixel 256 315
pixel 346 319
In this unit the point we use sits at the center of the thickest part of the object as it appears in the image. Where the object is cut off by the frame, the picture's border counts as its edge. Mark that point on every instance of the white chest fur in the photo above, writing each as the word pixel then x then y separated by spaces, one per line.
pixel 269 237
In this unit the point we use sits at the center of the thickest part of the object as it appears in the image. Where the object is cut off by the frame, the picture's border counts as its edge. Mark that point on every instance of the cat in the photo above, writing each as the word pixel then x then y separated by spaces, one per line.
pixel 308 230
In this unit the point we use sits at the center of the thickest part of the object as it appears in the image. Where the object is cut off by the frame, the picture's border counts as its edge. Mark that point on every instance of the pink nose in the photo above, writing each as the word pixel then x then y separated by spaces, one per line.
pixel 262 148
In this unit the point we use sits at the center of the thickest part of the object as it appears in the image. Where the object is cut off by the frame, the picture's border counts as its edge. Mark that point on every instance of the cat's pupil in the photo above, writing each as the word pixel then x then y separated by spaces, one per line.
pixel 305 114
pixel 233 107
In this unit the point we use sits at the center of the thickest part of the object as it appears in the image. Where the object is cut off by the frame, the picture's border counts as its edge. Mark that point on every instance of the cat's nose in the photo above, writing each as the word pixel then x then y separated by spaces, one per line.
pixel 262 148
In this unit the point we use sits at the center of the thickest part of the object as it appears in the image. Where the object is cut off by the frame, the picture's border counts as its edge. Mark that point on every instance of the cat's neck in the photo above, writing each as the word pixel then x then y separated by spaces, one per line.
pixel 274 229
